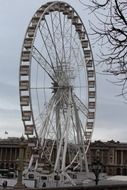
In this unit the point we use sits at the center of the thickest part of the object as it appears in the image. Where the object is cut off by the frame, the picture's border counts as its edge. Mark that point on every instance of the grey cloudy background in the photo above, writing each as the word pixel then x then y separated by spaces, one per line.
pixel 15 15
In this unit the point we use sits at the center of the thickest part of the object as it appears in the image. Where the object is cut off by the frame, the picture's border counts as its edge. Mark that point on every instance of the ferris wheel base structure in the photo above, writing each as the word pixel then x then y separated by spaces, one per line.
pixel 57 87
pixel 46 180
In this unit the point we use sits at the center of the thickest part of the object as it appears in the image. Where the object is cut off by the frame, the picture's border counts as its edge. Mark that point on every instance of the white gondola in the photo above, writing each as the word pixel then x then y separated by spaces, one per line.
pixel 91 115
pixel 24 85
pixel 89 125
pixel 75 20
pixel 92 105
pixel 26 115
pixel 31 31
pixel 85 43
pixel 29 129
pixel 91 73
pixel 24 100
pixel 78 27
pixel 91 84
pixel 87 53
pixel 25 56
pixel 92 94
pixel 28 43
pixel 24 70
pixel 70 14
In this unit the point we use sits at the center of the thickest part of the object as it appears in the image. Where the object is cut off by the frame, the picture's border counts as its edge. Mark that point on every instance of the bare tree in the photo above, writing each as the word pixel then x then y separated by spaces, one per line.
pixel 111 33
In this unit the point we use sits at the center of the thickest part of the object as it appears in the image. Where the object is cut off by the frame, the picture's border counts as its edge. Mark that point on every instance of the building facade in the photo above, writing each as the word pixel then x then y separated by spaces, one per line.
pixel 112 155
pixel 9 152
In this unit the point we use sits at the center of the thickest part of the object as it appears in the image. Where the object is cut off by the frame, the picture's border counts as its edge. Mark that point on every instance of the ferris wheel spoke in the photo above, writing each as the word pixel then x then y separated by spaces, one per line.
pixel 78 62
pixel 69 42
pixel 46 128
pixel 67 124
pixel 44 41
pixel 42 62
pixel 76 50
pixel 54 45
pixel 80 105
pixel 70 49
pixel 41 88
pixel 54 35
pixel 41 57
pixel 59 39
pixel 62 36
pixel 37 95
pixel 46 148
pixel 45 115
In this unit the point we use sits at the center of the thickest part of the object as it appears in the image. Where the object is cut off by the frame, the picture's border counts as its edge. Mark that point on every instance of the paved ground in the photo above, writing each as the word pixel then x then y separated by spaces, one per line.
pixel 86 183
pixel 105 182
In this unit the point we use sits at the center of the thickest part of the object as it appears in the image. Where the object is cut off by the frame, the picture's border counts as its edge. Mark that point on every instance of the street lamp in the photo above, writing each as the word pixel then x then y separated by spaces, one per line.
pixel 20 164
pixel 97 166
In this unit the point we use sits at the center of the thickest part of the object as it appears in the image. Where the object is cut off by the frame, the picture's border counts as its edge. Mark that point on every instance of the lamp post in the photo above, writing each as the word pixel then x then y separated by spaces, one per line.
pixel 20 160
pixel 97 166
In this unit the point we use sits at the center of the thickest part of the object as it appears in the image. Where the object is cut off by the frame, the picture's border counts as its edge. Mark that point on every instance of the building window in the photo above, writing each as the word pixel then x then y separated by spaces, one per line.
pixel 118 171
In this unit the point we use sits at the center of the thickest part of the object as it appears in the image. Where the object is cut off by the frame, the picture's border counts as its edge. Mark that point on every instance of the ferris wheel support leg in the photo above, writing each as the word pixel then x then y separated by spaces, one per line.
pixel 59 150
pixel 31 161
pixel 36 165
pixel 58 154
pixel 64 154
pixel 67 128
pixel 86 164
pixel 61 137
pixel 79 135
pixel 69 178
pixel 58 130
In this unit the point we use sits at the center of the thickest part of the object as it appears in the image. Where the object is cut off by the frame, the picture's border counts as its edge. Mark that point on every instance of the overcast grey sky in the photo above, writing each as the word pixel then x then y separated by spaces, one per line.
pixel 15 15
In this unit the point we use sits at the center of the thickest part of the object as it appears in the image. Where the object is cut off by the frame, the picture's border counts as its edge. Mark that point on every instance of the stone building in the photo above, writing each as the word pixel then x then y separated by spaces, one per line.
pixel 9 152
pixel 113 155
pixel 9 155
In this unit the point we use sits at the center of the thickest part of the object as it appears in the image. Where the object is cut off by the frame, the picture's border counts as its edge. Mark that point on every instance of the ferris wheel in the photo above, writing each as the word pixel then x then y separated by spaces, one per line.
pixel 57 86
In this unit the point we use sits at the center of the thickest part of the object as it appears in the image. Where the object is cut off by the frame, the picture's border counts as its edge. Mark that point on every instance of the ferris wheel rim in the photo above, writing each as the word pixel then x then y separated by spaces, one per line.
pixel 24 68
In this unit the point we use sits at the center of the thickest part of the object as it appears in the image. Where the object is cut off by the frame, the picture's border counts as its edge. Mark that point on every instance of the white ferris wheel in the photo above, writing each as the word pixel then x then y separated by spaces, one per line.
pixel 58 88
